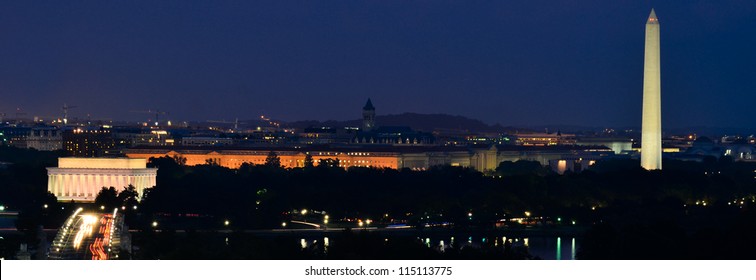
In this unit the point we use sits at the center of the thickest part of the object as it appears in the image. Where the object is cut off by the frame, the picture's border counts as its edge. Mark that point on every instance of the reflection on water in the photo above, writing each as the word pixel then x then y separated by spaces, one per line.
pixel 547 248
pixel 572 250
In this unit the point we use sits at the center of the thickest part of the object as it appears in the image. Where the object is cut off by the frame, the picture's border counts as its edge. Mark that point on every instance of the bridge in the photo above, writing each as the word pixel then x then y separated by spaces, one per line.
pixel 89 236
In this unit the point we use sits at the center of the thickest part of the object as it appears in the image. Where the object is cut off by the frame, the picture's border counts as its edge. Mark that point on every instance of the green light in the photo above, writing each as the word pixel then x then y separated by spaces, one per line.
pixel 573 222
pixel 559 219
pixel 2 207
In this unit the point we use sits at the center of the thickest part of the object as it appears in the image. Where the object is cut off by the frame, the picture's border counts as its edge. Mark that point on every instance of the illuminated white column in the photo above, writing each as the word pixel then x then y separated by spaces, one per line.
pixel 84 185
pixel 77 182
pixel 651 146
pixel 58 185
pixel 98 183
pixel 140 185
pixel 91 186
pixel 62 184
pixel 49 183
pixel 67 184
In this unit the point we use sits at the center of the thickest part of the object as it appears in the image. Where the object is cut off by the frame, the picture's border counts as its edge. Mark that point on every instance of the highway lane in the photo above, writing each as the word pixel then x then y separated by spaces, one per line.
pixel 87 236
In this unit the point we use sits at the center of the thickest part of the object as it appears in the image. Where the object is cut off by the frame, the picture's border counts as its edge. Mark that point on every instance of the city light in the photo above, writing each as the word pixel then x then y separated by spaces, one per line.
pixel 527 213
pixel 283 224
pixel 154 224
pixel 45 206
pixel 226 222
pixel 304 211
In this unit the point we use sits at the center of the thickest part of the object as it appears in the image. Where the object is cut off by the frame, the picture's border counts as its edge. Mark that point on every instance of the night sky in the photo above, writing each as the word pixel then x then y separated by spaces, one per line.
pixel 508 62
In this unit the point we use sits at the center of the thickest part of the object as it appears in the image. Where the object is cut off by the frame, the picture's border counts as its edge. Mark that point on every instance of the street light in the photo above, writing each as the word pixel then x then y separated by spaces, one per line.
pixel 154 223
pixel 283 224
pixel 226 222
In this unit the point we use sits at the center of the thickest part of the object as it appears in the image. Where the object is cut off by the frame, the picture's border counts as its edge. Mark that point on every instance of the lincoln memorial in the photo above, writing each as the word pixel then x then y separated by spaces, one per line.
pixel 80 179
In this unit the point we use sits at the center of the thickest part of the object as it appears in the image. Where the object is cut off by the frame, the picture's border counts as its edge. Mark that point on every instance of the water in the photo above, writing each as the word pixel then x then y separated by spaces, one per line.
pixel 553 248
pixel 546 248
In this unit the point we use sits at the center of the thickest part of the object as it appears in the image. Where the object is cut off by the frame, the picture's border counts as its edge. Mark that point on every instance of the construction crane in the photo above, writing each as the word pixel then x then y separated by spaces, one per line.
pixel 236 123
pixel 65 112
pixel 156 112
pixel 262 117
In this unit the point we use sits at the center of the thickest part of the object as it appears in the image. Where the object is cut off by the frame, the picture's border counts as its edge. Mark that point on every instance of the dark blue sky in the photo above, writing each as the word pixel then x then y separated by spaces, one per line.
pixel 562 62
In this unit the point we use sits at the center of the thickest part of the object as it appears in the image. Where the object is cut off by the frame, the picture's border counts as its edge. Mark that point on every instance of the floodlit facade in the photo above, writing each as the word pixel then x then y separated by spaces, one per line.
pixel 651 136
pixel 481 158
pixel 80 179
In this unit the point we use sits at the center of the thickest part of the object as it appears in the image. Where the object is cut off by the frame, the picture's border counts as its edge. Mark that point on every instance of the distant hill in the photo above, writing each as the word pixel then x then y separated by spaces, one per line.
pixel 421 122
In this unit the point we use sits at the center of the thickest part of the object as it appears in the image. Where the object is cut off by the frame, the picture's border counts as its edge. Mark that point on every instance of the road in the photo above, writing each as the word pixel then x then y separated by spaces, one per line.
pixel 88 236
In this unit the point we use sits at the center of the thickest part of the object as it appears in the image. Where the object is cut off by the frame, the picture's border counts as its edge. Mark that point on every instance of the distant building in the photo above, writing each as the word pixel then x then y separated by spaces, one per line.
pixel 618 145
pixel 206 141
pixel 740 150
pixel 88 141
pixel 572 164
pixel 81 179
pixel 544 139
pixel 481 157
pixel 326 135
pixel 141 136
pixel 368 116
pixel 393 135
pixel 14 135
pixel 47 138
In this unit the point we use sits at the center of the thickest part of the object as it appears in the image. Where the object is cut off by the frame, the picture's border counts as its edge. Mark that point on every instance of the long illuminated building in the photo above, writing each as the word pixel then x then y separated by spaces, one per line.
pixel 482 157
pixel 80 179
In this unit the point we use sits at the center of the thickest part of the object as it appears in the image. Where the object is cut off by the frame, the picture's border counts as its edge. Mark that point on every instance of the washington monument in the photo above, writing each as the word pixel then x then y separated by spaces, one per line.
pixel 651 150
